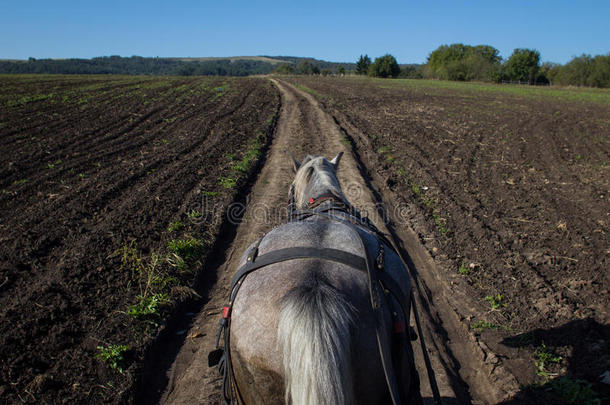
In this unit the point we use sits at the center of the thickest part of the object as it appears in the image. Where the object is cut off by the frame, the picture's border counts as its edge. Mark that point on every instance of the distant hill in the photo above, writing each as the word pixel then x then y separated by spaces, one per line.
pixel 189 66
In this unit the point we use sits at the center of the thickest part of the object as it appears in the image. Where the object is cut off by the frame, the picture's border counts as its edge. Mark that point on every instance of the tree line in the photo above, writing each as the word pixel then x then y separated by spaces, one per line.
pixel 447 62
pixel 137 65
pixel 484 63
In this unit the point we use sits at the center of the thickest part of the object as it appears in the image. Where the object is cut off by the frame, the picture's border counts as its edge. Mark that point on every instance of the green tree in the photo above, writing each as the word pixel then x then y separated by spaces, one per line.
pixel 523 65
pixel 384 66
pixel 284 69
pixel 340 70
pixel 363 64
pixel 464 62
pixel 412 72
pixel 305 67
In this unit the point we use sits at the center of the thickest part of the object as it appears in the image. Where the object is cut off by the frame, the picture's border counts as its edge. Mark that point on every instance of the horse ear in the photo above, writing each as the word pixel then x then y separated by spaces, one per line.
pixel 295 163
pixel 336 159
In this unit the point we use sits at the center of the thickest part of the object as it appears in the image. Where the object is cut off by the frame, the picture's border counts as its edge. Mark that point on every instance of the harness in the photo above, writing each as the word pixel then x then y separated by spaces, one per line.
pixel 381 287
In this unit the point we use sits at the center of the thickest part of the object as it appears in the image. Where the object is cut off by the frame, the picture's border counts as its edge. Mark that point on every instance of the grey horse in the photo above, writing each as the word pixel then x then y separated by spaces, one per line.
pixel 303 331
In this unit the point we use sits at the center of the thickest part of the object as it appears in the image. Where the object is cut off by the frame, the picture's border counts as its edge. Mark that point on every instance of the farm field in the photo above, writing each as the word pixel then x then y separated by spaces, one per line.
pixel 507 187
pixel 116 255
pixel 107 193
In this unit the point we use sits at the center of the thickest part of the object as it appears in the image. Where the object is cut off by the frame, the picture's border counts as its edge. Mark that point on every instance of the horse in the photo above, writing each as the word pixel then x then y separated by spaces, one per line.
pixel 319 308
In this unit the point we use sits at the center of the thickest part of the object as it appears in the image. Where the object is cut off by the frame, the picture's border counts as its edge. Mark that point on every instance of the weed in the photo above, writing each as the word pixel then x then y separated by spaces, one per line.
pixel 169 121
pixel 52 165
pixel 145 270
pixel 464 269
pixel 81 175
pixel 574 391
pixel 495 301
pixel 211 193
pixel 147 306
pixel 185 251
pixel 440 224
pixel 113 355
pixel 251 155
pixel 415 188
pixel 227 182
pixel 19 182
pixel 480 325
pixel 544 358
pixel 175 226
pixel 194 215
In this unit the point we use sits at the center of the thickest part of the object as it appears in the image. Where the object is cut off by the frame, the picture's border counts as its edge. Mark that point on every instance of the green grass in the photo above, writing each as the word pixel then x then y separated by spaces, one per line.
pixel 185 251
pixel 480 325
pixel 113 356
pixel 438 87
pixel 308 90
pixel 147 306
pixel 227 182
pixel 175 226
pixel 211 193
pixel 249 158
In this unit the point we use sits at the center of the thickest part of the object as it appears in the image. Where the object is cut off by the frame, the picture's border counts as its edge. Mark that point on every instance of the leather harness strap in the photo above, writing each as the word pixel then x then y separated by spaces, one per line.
pixel 281 255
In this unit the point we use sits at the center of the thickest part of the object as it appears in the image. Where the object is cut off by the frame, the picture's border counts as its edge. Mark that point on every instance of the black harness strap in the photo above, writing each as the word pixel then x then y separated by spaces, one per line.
pixel 293 253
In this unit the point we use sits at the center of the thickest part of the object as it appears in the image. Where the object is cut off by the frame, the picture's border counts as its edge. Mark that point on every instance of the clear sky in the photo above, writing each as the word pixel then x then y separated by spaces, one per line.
pixel 332 30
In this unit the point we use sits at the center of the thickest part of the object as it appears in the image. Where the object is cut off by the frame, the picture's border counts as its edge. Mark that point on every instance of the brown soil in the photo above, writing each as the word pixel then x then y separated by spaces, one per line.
pixel 93 168
pixel 512 190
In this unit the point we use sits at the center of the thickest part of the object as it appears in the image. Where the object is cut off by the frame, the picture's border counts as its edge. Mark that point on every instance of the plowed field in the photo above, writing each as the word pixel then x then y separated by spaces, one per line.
pixel 107 212
pixel 507 188
pixel 116 253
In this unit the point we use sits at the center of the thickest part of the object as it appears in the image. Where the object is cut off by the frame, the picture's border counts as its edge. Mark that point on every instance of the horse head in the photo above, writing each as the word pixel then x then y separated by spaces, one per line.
pixel 315 176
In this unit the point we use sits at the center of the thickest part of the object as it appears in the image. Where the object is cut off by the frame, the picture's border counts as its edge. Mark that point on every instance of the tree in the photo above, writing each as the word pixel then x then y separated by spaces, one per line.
pixel 464 62
pixel 363 64
pixel 384 66
pixel 412 71
pixel 284 69
pixel 340 70
pixel 523 65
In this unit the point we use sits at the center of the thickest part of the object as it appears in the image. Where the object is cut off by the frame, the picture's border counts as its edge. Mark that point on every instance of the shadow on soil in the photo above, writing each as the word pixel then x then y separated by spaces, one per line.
pixel 589 346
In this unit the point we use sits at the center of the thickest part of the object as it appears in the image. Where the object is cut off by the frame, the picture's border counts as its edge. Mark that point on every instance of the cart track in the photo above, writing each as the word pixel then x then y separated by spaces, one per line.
pixel 304 128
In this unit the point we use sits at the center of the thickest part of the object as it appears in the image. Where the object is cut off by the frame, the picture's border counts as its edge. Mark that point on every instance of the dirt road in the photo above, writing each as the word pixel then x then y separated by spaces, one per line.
pixel 464 372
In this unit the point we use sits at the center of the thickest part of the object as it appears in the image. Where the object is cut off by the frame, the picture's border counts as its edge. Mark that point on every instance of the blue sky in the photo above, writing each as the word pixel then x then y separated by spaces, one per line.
pixel 331 30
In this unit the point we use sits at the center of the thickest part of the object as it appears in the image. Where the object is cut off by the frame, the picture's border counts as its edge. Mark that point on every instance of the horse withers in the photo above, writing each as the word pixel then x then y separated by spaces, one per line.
pixel 319 308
